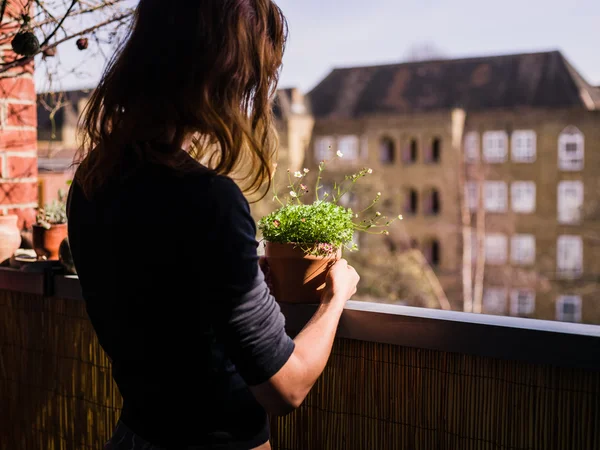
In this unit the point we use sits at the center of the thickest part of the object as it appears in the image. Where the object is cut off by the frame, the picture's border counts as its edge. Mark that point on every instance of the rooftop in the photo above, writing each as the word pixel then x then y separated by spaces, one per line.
pixel 532 80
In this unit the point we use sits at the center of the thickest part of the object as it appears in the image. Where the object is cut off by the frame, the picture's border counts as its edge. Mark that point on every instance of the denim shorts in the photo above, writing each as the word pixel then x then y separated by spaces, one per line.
pixel 125 439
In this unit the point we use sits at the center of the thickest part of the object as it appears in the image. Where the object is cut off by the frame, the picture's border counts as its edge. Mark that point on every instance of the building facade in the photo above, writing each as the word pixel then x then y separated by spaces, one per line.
pixel 513 139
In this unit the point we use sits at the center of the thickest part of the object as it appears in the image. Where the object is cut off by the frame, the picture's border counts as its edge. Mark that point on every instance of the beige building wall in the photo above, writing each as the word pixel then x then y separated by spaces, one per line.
pixel 394 179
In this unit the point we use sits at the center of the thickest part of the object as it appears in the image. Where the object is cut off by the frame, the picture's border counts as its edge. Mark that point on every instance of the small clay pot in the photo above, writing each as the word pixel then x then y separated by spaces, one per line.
pixel 46 242
pixel 295 276
pixel 10 237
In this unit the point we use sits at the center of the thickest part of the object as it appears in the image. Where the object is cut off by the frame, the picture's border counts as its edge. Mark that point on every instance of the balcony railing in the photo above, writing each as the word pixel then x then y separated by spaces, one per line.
pixel 398 378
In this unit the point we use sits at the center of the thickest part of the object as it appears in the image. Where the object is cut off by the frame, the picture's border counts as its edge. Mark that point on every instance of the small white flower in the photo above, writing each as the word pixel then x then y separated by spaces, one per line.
pixel 306 170
pixel 293 194
pixel 298 174
pixel 378 214
pixel 400 217
pixel 379 194
pixel 370 171
pixel 339 154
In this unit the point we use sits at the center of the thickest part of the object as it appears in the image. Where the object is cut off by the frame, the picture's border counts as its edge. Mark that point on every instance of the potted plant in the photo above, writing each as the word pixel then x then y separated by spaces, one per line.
pixel 50 228
pixel 303 239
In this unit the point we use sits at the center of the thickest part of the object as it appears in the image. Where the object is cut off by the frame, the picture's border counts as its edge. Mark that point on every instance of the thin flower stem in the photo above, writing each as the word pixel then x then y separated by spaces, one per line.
pixel 321 167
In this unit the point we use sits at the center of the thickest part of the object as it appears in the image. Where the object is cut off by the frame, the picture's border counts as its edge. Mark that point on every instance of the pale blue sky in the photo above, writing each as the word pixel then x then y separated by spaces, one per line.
pixel 331 33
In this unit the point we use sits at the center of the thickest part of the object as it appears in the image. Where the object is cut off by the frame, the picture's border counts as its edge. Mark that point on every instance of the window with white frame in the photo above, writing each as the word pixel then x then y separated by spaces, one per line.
pixel 571 145
pixel 348 200
pixel 495 195
pixel 496 248
pixel 570 201
pixel 524 146
pixel 495 146
pixel 568 308
pixel 349 146
pixel 471 146
pixel 569 256
pixel 522 195
pixel 522 302
pixel 324 148
pixel 472 194
pixel 494 300
pixel 522 249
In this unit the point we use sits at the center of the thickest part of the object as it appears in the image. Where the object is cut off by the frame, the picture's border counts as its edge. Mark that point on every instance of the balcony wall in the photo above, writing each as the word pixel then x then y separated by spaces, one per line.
pixel 398 378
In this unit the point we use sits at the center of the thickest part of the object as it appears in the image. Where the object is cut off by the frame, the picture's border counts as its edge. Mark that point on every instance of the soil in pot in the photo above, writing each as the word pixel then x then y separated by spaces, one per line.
pixel 295 276
pixel 46 242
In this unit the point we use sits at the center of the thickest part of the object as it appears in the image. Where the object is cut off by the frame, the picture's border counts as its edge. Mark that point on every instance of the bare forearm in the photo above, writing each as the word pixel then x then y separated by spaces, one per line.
pixel 314 343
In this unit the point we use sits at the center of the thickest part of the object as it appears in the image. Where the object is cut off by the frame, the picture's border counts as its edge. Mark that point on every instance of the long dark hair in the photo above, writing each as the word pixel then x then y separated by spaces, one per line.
pixel 207 68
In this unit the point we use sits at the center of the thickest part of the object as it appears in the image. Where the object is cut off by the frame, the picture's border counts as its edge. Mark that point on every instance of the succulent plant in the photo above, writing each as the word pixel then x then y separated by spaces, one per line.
pixel 53 213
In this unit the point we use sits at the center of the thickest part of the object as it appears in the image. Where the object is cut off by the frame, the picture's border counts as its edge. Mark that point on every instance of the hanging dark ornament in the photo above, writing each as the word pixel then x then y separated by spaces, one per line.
pixel 82 43
pixel 25 43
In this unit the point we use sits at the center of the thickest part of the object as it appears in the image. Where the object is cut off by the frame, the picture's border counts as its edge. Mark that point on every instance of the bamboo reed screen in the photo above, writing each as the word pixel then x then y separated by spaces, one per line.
pixel 56 394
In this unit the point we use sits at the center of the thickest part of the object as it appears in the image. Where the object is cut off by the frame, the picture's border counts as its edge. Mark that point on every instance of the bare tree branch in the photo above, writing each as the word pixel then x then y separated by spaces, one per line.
pixel 27 59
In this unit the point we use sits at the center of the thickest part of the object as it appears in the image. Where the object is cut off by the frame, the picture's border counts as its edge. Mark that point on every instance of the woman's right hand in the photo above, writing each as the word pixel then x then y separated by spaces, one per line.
pixel 342 280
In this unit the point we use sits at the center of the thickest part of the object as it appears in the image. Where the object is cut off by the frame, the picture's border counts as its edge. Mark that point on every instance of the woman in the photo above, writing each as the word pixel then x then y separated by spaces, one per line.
pixel 165 247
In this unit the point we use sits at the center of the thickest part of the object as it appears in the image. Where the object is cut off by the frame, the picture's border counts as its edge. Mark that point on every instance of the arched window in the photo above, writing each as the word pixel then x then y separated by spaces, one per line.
pixel 411 152
pixel 436 150
pixel 387 151
pixel 411 201
pixel 432 205
pixel 433 153
pixel 432 252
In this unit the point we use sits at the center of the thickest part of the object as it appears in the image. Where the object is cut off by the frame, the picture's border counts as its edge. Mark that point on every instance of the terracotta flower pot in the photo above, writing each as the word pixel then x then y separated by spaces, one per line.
pixel 10 237
pixel 295 276
pixel 47 242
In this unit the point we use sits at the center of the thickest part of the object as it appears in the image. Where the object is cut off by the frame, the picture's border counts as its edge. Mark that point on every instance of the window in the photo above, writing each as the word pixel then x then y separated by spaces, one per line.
pixel 496 249
pixel 432 252
pixel 434 152
pixel 522 302
pixel 494 301
pixel 348 200
pixel 411 200
pixel 569 256
pixel 410 153
pixel 364 147
pixel 568 308
pixel 472 146
pixel 495 196
pixel 494 146
pixel 472 195
pixel 348 145
pixel 324 148
pixel 570 201
pixel 570 149
pixel 523 196
pixel 522 249
pixel 432 202
pixel 387 151
pixel 524 146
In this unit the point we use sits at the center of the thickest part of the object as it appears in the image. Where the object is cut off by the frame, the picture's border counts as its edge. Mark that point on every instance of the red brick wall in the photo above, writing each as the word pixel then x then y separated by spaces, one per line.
pixel 18 128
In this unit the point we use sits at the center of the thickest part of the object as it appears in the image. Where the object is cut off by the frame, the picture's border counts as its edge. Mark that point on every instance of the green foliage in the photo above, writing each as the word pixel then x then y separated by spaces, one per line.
pixel 322 226
pixel 53 213
pixel 317 223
